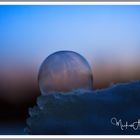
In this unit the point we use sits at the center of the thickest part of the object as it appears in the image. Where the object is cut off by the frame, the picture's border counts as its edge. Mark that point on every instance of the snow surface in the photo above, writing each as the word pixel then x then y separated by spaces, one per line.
pixel 86 112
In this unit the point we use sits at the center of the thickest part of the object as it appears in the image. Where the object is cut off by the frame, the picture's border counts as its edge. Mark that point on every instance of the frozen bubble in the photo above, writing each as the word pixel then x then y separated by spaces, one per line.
pixel 64 71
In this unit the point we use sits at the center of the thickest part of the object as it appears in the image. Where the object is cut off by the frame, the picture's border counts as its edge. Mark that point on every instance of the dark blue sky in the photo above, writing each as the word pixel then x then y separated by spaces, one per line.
pixel 100 33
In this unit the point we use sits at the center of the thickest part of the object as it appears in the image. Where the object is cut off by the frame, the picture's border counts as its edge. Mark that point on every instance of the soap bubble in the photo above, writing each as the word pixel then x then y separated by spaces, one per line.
pixel 64 71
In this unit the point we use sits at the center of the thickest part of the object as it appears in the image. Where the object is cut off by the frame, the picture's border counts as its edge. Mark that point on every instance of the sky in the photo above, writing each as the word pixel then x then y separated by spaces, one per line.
pixel 107 36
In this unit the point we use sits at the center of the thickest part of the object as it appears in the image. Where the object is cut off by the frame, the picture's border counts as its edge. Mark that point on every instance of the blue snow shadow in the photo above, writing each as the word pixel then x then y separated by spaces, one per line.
pixel 83 112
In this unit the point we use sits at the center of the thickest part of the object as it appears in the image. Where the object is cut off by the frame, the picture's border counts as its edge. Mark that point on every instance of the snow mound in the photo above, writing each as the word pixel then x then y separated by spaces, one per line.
pixel 82 112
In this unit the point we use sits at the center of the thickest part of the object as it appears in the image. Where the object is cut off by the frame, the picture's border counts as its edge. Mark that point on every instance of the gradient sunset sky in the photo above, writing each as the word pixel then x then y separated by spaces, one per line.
pixel 107 36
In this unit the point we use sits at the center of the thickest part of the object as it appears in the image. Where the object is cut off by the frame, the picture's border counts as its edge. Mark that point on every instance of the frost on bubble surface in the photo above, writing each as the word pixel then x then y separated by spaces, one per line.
pixel 64 71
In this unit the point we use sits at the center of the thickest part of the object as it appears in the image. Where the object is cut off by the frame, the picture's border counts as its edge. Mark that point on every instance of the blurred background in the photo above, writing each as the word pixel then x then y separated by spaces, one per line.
pixel 107 36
